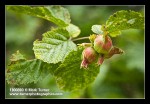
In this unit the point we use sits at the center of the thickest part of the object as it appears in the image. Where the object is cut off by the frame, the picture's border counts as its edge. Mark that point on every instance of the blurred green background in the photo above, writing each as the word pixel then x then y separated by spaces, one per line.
pixel 122 76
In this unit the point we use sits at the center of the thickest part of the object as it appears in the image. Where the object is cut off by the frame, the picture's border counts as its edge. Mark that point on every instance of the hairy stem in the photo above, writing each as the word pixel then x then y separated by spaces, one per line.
pixel 80 38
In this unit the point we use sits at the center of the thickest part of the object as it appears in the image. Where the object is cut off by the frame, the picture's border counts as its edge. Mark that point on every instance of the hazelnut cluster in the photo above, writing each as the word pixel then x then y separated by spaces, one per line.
pixel 101 48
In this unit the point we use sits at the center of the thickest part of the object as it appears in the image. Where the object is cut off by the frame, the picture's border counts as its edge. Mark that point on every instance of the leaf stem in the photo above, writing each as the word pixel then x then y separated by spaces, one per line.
pixel 80 38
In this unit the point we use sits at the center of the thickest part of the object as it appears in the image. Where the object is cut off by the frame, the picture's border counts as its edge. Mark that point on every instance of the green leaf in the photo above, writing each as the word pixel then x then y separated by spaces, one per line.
pixel 116 33
pixel 55 14
pixel 17 56
pixel 28 71
pixel 97 29
pixel 123 20
pixel 54 47
pixel 73 30
pixel 70 77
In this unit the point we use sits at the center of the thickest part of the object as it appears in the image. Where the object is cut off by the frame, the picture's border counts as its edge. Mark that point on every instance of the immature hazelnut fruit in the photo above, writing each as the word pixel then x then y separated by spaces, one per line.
pixel 102 44
pixel 89 55
pixel 114 50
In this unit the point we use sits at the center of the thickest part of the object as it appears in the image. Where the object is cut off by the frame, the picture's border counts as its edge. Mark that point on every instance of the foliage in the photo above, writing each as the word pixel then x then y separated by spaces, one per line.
pixel 70 70
pixel 55 14
pixel 22 71
pixel 121 20
pixel 54 47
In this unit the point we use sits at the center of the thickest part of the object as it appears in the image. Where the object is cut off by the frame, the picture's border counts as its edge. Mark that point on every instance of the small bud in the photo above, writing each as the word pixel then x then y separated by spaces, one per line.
pixel 102 44
pixel 89 55
pixel 92 38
